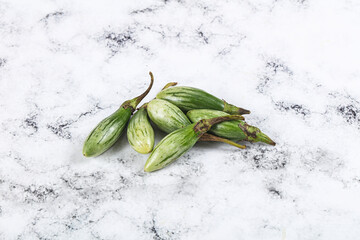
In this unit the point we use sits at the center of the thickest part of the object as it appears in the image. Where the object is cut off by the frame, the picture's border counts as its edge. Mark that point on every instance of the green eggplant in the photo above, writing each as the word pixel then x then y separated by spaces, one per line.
pixel 236 130
pixel 140 133
pixel 108 131
pixel 188 98
pixel 166 115
pixel 180 141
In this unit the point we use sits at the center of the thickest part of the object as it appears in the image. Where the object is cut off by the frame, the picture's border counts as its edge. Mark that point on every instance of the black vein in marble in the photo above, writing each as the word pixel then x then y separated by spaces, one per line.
pixel 267 157
pixel 39 194
pixel 116 41
pixel 145 10
pixel 350 113
pixel 347 107
pixel 2 62
pixel 276 193
pixel 273 67
pixel 278 66
pixel 54 16
pixel 154 230
pixel 31 122
pixel 61 127
pixel 296 108
pixel 203 37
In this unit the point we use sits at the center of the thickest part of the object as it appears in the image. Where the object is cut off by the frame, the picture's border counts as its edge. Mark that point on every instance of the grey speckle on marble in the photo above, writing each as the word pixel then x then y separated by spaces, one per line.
pixel 65 65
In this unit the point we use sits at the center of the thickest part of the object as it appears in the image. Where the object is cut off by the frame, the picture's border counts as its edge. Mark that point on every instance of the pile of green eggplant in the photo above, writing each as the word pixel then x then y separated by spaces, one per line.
pixel 186 114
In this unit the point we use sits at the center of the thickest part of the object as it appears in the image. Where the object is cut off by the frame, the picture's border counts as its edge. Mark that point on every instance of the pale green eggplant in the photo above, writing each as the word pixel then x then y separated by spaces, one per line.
pixel 140 133
pixel 108 131
pixel 180 141
pixel 236 130
pixel 166 115
pixel 188 98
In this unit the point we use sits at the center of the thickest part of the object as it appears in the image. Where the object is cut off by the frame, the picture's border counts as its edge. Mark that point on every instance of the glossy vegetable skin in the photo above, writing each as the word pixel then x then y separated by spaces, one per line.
pixel 166 115
pixel 106 133
pixel 140 133
pixel 188 98
pixel 236 130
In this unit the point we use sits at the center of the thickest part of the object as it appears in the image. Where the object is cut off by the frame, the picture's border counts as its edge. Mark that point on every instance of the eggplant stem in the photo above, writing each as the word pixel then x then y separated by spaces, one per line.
pixel 229 108
pixel 132 104
pixel 143 106
pixel 206 137
pixel 170 84
pixel 140 97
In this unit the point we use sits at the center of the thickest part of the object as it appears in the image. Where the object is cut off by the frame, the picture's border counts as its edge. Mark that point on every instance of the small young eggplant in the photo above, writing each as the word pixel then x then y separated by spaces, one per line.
pixel 140 133
pixel 188 98
pixel 166 115
pixel 235 130
pixel 108 131
pixel 180 141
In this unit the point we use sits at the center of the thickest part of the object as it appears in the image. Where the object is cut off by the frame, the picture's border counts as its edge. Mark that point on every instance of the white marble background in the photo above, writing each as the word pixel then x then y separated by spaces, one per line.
pixel 65 65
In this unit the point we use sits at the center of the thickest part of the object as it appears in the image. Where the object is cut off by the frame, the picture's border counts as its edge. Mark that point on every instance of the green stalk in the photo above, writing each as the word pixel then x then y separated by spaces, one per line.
pixel 206 137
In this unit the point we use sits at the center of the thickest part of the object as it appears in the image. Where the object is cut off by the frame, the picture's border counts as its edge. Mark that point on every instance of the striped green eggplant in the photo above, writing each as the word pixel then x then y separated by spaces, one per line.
pixel 108 131
pixel 235 130
pixel 140 133
pixel 180 141
pixel 188 98
pixel 166 115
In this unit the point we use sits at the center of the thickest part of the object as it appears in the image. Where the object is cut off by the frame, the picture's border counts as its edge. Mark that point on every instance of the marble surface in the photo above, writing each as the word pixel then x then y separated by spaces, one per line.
pixel 65 65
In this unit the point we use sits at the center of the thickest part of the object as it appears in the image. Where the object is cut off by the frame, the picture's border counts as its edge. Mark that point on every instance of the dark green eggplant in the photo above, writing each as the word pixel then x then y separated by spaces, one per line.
pixel 188 98
pixel 180 141
pixel 235 130
pixel 108 131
